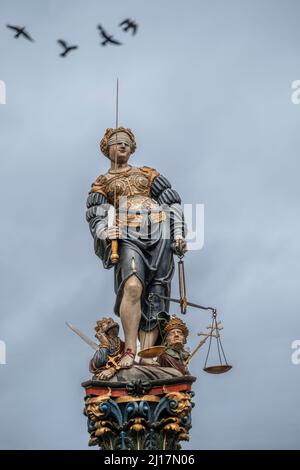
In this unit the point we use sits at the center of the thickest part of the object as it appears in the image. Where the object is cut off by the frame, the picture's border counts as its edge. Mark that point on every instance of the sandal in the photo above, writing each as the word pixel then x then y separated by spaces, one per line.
pixel 129 353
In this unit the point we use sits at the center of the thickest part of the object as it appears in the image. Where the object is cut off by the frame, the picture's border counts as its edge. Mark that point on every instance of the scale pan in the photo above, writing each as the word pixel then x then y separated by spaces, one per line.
pixel 218 369
pixel 154 351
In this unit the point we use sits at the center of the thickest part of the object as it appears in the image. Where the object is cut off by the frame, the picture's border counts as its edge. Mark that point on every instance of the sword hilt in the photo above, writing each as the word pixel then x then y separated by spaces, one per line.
pixel 114 258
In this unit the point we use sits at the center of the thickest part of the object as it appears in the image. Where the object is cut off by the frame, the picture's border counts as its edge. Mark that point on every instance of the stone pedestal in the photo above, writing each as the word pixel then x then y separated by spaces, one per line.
pixel 139 414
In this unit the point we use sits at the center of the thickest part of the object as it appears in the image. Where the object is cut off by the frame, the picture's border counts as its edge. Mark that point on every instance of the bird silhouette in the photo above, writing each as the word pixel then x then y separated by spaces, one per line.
pixel 108 39
pixel 66 47
pixel 20 31
pixel 129 24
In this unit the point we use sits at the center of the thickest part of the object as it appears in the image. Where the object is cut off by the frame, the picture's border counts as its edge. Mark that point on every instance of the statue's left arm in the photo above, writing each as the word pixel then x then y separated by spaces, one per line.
pixel 165 195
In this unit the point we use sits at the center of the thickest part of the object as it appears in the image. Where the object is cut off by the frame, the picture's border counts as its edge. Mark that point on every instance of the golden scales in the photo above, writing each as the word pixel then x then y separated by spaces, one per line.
pixel 213 333
pixel 153 351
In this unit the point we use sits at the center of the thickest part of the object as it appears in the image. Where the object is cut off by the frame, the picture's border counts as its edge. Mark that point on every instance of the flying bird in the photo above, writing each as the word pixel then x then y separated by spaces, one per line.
pixel 20 31
pixel 107 38
pixel 129 24
pixel 66 47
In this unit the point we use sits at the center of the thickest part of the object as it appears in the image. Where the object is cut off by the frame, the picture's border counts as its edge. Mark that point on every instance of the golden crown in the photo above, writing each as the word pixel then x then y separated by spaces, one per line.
pixel 105 324
pixel 178 324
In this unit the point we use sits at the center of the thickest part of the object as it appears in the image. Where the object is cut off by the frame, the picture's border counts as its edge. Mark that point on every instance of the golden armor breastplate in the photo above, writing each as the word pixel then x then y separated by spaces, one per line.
pixel 127 184
pixel 129 191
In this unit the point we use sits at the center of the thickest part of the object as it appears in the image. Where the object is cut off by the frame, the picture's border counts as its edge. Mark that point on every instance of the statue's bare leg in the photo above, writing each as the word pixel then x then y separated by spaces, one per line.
pixel 148 339
pixel 130 314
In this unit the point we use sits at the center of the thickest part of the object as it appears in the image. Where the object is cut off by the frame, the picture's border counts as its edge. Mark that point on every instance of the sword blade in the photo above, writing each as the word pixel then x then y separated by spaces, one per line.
pixel 182 289
pixel 81 335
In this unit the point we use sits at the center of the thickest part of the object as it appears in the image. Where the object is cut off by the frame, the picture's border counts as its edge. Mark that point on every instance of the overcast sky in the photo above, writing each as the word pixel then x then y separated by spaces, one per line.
pixel 206 87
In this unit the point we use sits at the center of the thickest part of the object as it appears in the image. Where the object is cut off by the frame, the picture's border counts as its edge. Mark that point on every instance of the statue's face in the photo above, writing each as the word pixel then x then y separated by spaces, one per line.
pixel 175 339
pixel 119 148
pixel 113 332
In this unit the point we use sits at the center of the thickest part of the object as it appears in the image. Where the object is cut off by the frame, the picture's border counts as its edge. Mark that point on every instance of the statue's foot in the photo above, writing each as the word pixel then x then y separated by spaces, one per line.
pixel 127 359
pixel 106 374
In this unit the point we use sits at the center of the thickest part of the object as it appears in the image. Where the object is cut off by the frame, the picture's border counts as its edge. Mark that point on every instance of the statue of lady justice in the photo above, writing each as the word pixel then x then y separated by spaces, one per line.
pixel 147 229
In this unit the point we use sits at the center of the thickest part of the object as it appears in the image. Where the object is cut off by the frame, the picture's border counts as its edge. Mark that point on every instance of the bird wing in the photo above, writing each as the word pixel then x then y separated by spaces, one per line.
pixel 27 36
pixel 124 22
pixel 105 35
pixel 62 43
pixel 135 28
pixel 71 48
pixel 14 28
pixel 114 41
pixel 102 31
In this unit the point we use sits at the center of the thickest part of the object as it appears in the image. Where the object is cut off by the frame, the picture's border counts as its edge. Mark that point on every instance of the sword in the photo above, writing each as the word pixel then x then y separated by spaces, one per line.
pixel 182 288
pixel 81 335
pixel 114 243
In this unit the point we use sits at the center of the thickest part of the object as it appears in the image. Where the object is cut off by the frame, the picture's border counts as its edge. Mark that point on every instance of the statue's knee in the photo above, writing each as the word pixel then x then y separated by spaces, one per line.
pixel 133 288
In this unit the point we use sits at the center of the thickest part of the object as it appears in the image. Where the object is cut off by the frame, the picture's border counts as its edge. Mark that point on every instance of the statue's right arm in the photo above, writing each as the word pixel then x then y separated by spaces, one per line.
pixel 97 218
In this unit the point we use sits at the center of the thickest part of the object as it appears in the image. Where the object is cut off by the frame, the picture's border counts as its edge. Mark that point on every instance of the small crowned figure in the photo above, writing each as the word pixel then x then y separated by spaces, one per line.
pixel 104 364
pixel 149 228
pixel 175 336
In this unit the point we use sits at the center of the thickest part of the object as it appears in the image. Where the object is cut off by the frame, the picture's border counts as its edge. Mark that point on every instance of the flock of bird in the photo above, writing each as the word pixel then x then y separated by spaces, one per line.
pixel 126 25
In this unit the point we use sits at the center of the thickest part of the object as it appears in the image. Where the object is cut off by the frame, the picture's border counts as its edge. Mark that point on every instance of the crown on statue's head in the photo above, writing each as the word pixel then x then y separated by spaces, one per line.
pixel 105 324
pixel 176 323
